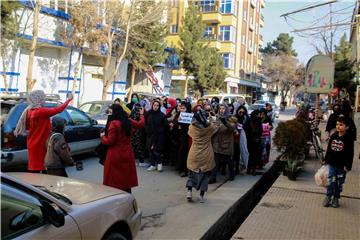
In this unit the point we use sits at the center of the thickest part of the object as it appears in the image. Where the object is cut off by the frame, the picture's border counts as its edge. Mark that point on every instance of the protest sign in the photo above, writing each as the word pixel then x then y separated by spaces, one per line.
pixel 185 117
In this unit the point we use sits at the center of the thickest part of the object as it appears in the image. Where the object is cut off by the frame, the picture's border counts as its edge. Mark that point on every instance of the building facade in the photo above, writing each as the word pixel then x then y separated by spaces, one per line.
pixel 355 37
pixel 234 28
pixel 54 61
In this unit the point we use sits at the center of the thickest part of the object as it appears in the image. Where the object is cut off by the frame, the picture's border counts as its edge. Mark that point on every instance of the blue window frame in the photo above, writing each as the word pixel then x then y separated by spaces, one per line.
pixel 225 33
pixel 228 60
pixel 208 31
pixel 206 5
pixel 227 6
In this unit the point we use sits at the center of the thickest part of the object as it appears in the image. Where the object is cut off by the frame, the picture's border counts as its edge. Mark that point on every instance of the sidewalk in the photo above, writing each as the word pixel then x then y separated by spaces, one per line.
pixel 293 209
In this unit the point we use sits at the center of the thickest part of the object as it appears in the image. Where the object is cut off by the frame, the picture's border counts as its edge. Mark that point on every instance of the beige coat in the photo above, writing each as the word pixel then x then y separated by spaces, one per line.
pixel 201 154
pixel 223 140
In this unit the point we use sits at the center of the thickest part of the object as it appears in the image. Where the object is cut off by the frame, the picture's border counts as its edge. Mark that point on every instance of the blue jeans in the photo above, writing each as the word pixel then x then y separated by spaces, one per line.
pixel 336 180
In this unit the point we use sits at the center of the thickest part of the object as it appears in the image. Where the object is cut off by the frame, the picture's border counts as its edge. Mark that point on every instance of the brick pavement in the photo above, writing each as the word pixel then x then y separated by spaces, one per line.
pixel 293 210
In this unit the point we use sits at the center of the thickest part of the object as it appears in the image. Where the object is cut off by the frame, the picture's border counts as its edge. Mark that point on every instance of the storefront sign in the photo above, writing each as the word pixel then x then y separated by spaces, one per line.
pixel 319 76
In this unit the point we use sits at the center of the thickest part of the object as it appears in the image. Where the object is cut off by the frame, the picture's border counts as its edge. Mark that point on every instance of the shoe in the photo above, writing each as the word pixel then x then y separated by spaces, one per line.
pixel 335 203
pixel 189 196
pixel 151 168
pixel 326 202
pixel 201 199
pixel 211 181
pixel 159 168
pixel 143 164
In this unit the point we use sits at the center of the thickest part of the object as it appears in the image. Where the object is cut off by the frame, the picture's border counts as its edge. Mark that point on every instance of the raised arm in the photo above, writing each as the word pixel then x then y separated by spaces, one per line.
pixel 138 124
pixel 49 112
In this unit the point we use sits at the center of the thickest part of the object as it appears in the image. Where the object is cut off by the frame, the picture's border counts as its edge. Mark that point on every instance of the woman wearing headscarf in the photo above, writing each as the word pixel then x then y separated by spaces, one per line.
pixel 253 132
pixel 156 127
pixel 35 123
pixel 200 160
pixel 119 167
pixel 134 100
pixel 240 141
pixel 223 143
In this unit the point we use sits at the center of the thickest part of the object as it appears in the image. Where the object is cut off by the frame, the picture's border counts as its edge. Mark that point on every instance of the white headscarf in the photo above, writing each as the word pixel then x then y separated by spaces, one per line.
pixel 35 99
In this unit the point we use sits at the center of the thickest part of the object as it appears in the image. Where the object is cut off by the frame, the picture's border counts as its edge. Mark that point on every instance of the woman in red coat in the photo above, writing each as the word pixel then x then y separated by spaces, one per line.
pixel 119 166
pixel 35 123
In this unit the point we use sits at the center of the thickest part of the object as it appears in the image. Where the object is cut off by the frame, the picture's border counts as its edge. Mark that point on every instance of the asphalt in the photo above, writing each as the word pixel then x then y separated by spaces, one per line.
pixel 293 209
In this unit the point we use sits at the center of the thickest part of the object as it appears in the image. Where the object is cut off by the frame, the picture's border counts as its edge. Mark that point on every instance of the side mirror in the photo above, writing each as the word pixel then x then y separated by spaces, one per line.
pixel 94 122
pixel 53 214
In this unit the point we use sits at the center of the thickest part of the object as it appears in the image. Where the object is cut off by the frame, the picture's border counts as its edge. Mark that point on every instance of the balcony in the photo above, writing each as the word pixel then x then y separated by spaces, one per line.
pixel 251 27
pixel 261 41
pixel 253 3
pixel 211 14
pixel 214 41
pixel 262 21
pixel 262 3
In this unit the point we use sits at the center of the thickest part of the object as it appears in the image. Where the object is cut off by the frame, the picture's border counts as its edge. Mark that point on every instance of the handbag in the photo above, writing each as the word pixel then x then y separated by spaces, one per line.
pixel 101 152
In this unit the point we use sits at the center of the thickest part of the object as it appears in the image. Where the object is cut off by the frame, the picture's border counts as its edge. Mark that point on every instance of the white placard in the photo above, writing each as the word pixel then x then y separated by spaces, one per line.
pixel 185 117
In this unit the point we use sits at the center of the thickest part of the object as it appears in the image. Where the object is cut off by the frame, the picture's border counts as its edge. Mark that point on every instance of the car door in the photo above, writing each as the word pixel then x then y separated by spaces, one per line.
pixel 22 218
pixel 84 135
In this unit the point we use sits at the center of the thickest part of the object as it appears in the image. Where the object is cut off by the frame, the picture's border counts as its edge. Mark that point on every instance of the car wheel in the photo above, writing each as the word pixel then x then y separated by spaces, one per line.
pixel 114 236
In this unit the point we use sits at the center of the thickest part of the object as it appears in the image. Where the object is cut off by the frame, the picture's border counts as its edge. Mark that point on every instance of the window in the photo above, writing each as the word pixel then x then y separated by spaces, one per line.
pixel 242 64
pixel 174 3
pixel 251 20
pixel 208 32
pixel 227 33
pixel 243 39
pixel 245 15
pixel 254 69
pixel 20 212
pixel 228 6
pixel 173 29
pixel 255 48
pixel 78 118
pixel 228 59
pixel 257 28
pixel 206 5
pixel 250 44
pixel 248 67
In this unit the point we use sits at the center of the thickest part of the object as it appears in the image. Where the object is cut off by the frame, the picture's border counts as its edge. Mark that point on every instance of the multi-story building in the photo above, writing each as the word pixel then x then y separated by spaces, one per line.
pixel 355 37
pixel 234 28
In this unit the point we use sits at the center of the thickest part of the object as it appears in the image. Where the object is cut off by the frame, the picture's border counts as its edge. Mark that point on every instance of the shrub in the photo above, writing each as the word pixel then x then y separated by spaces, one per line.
pixel 290 138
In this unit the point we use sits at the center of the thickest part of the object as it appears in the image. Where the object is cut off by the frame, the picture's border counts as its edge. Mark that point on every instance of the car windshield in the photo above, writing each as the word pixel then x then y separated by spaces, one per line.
pixel 256 107
pixel 91 108
pixel 54 194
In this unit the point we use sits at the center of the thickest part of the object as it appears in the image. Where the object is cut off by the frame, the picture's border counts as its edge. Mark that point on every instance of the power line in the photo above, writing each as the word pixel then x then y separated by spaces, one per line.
pixel 308 8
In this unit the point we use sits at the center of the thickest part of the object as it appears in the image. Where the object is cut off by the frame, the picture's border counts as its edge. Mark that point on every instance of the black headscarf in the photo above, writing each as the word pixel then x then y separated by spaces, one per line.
pixel 58 124
pixel 119 114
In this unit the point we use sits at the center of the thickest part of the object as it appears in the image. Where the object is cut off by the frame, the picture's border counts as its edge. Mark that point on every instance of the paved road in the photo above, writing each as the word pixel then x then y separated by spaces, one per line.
pixel 161 196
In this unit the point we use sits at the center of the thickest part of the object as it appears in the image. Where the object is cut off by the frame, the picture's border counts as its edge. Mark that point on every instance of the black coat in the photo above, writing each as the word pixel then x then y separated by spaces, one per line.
pixel 156 126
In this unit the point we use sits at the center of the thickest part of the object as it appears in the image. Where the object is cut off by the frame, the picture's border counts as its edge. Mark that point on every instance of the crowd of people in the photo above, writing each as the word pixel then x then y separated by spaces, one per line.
pixel 219 136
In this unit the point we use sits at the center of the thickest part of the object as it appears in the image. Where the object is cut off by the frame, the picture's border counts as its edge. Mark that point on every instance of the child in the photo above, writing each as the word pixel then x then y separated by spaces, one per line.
pixel 339 156
pixel 58 152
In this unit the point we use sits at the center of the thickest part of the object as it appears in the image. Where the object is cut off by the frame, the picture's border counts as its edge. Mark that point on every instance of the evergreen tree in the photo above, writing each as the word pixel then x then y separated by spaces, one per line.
pixel 344 68
pixel 282 45
pixel 203 63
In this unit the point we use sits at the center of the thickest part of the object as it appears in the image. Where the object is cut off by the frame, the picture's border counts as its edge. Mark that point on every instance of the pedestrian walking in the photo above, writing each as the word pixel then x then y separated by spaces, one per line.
pixel 339 155
pixel 156 127
pixel 119 166
pixel 267 126
pixel 223 143
pixel 200 160
pixel 35 123
pixel 58 151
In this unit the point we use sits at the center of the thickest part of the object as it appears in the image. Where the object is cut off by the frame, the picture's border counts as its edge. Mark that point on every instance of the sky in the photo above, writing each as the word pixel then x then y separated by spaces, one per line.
pixel 274 24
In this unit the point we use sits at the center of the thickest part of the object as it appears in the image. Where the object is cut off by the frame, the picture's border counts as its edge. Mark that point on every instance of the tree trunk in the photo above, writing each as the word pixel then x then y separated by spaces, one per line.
pixel 76 70
pixel 29 81
pixel 5 77
pixel 186 86
pixel 132 80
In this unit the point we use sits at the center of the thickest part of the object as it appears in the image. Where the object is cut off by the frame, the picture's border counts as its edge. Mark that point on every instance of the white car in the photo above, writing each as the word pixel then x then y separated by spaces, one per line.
pixel 40 206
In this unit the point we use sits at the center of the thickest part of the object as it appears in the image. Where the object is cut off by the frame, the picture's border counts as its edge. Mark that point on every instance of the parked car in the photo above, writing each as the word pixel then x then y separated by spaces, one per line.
pixel 258 106
pixel 41 206
pixel 81 132
pixel 96 110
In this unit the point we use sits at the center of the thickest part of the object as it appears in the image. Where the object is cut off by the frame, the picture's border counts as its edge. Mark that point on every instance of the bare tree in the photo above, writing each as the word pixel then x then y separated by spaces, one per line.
pixel 29 81
pixel 284 71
